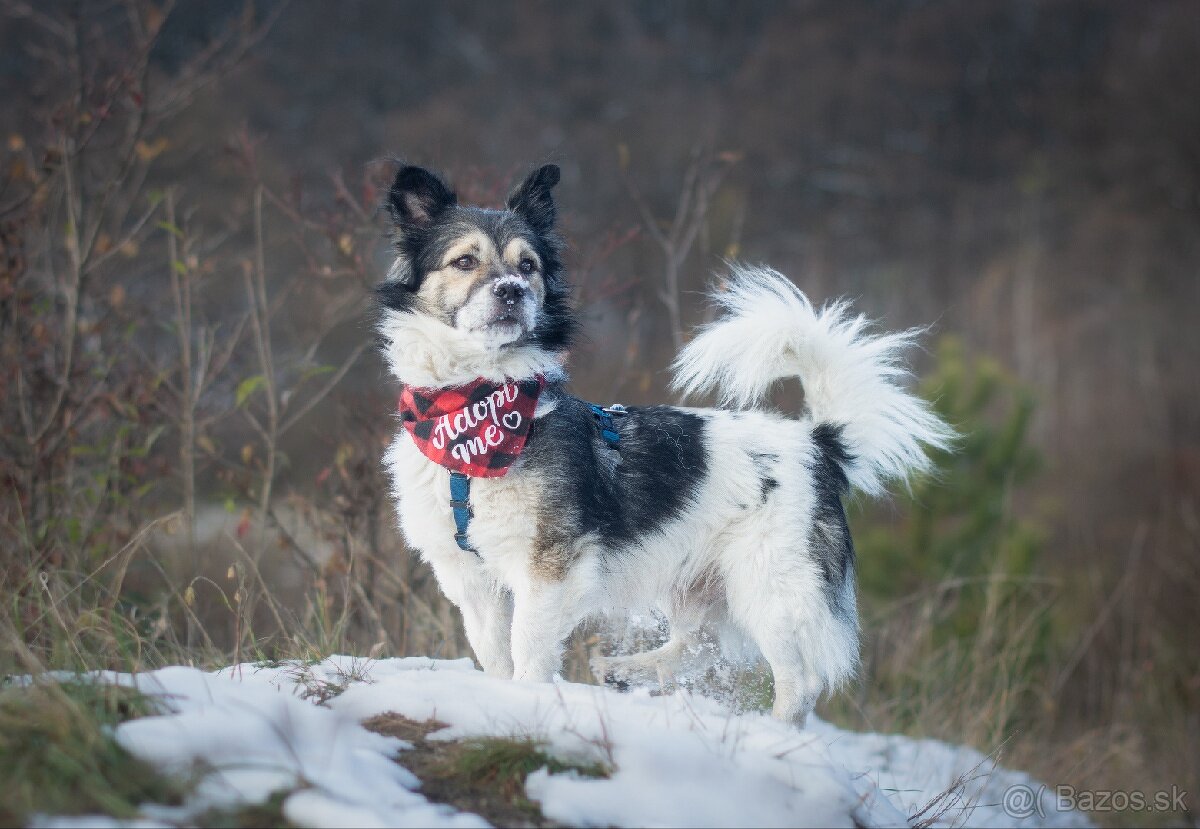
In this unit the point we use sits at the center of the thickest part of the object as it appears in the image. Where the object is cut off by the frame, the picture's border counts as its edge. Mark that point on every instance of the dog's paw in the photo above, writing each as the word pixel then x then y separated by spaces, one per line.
pixel 603 668
pixel 626 672
pixel 616 684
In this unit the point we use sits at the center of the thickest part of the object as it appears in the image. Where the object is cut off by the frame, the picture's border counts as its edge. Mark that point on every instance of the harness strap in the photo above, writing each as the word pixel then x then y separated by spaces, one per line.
pixel 460 484
pixel 460 503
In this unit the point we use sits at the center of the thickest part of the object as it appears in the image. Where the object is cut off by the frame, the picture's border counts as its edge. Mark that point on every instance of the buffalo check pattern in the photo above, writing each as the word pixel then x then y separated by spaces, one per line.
pixel 478 429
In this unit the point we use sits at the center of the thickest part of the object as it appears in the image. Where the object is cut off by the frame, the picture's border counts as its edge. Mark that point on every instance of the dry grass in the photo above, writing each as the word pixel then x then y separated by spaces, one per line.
pixel 184 481
pixel 997 689
pixel 58 755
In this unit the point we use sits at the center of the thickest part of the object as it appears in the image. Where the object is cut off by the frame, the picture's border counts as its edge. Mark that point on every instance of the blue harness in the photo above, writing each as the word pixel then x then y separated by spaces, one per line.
pixel 460 484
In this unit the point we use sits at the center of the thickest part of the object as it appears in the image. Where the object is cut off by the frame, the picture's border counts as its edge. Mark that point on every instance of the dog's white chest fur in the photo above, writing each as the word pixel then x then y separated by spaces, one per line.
pixel 421 489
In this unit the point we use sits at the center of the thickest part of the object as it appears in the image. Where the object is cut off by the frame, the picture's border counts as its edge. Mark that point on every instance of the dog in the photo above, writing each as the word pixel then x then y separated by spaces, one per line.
pixel 537 510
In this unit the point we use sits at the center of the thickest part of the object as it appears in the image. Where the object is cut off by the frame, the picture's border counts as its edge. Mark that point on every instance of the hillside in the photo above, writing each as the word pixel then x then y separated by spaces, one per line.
pixel 291 738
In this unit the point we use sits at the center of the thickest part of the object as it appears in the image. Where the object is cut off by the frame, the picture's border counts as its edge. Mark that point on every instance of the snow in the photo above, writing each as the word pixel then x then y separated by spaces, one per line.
pixel 676 760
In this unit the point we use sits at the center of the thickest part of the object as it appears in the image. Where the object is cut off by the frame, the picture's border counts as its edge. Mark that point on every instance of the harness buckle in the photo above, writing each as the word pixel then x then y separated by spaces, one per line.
pixel 608 429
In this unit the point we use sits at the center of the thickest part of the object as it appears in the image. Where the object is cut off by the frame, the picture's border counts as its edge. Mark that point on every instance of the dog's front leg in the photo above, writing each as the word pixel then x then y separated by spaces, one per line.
pixel 488 618
pixel 542 619
pixel 486 608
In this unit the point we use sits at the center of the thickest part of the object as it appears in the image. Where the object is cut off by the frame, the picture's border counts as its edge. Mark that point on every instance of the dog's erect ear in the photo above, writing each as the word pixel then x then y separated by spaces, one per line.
pixel 416 198
pixel 532 200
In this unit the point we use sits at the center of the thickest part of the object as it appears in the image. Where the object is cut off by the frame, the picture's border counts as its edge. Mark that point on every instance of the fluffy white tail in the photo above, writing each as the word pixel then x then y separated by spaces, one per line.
pixel 770 330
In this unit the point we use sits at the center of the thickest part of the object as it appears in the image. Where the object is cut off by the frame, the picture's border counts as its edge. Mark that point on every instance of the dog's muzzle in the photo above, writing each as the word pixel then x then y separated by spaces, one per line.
pixel 510 294
pixel 501 310
pixel 509 290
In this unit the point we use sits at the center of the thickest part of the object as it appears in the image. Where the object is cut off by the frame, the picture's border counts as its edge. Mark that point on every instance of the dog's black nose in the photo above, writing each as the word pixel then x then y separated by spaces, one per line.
pixel 508 291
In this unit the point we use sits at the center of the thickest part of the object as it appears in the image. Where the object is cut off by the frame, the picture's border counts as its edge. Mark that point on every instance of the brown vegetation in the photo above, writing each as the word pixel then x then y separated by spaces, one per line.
pixel 191 415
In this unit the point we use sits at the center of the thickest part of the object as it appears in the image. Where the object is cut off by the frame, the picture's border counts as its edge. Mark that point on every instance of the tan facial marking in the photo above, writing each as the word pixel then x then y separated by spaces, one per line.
pixel 514 252
pixel 450 288
pixel 474 244
pixel 519 249
pixel 446 289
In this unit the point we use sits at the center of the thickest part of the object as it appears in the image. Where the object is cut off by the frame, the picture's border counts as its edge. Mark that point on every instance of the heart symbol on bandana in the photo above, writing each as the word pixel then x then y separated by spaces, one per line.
pixel 512 420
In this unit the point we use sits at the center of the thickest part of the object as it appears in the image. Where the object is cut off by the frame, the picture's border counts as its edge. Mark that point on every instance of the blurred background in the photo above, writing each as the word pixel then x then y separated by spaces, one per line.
pixel 192 411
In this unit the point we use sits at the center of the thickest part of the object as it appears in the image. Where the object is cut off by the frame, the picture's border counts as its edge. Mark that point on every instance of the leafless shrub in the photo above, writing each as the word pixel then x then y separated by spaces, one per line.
pixel 705 171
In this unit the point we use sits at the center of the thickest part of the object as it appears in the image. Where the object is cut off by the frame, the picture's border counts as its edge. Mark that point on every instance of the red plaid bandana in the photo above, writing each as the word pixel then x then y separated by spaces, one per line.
pixel 478 429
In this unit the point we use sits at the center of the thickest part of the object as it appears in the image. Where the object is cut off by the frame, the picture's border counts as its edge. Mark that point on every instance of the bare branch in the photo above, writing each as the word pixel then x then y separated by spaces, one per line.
pixel 334 379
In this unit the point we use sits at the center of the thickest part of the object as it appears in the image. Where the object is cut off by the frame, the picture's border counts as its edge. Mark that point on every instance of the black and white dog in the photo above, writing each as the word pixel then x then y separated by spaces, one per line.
pixel 725 519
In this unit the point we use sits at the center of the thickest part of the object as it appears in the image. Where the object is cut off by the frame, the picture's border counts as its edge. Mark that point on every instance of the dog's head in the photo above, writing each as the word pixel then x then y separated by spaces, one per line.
pixel 473 291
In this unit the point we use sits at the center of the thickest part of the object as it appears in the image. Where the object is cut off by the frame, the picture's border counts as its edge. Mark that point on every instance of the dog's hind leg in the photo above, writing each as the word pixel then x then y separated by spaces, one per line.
pixel 805 629
pixel 797 687
pixel 684 653
pixel 810 648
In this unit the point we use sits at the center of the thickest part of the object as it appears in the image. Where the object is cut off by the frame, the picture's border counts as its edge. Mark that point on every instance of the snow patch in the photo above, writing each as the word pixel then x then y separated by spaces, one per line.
pixel 676 760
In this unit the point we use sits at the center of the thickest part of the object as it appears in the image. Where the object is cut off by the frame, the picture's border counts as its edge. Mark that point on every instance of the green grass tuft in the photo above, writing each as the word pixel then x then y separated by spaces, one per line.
pixel 494 770
pixel 506 761
pixel 483 775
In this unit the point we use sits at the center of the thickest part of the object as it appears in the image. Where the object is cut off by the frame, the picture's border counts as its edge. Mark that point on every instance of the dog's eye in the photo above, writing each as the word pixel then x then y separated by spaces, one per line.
pixel 527 265
pixel 465 263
